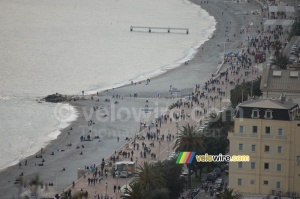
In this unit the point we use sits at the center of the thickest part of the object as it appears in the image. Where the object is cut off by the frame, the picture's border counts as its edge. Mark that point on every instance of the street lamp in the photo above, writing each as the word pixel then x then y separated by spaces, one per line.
pixel 136 160
pixel 168 139
pixel 177 129
pixel 117 186
pixel 126 176
pixel 106 185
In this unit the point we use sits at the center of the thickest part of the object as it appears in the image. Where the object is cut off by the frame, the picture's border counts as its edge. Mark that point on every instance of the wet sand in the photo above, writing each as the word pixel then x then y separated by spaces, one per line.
pixel 184 78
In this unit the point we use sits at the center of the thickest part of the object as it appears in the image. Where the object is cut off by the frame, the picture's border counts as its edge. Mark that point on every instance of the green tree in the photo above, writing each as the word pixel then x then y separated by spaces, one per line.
pixel 241 92
pixel 171 173
pixel 229 193
pixel 281 61
pixel 189 141
pixel 295 31
pixel 135 191
pixel 159 194
pixel 277 46
pixel 149 177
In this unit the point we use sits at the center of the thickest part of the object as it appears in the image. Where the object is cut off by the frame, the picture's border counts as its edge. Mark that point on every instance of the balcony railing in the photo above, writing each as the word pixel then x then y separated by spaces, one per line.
pixel 267 136
pixel 282 137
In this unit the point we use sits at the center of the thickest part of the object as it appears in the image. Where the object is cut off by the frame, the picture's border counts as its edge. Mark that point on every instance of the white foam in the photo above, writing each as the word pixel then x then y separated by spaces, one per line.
pixel 102 55
pixel 54 134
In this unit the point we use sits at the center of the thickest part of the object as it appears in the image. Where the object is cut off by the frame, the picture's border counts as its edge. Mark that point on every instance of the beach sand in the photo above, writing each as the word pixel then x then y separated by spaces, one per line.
pixel 184 78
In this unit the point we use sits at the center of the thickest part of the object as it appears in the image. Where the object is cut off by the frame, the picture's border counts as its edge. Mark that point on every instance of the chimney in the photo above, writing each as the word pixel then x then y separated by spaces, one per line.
pixel 282 98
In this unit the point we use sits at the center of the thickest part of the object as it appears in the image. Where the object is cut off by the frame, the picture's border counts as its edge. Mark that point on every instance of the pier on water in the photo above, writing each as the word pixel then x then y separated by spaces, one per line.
pixel 167 29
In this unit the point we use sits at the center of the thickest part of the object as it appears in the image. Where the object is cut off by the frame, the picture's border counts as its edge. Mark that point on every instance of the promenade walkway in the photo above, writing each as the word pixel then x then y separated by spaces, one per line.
pixel 165 147
pixel 215 96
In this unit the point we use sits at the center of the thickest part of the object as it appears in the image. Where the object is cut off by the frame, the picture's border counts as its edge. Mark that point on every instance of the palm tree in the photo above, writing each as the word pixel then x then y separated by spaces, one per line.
pixel 276 45
pixel 135 192
pixel 35 183
pixel 149 177
pixel 281 61
pixel 229 193
pixel 188 140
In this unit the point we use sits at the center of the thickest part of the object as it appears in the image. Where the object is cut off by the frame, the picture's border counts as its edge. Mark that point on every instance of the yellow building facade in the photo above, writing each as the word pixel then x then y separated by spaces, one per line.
pixel 269 132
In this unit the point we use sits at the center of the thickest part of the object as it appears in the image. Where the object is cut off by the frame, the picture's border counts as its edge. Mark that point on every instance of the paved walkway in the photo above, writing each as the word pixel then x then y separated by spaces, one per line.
pixel 162 150
pixel 210 98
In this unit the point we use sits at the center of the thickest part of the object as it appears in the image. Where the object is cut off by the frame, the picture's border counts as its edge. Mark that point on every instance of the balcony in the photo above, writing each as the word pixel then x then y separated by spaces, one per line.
pixel 267 136
pixel 253 135
pixel 238 134
pixel 282 137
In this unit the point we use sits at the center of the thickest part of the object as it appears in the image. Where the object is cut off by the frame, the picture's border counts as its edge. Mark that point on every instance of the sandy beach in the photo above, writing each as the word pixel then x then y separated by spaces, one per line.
pixel 197 71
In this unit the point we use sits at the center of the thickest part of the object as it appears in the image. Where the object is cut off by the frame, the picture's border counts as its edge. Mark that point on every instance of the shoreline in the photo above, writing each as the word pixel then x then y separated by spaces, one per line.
pixel 199 58
pixel 122 85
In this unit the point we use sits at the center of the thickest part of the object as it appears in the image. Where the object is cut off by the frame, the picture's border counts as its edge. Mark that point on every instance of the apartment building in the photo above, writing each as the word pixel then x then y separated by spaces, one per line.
pixel 269 132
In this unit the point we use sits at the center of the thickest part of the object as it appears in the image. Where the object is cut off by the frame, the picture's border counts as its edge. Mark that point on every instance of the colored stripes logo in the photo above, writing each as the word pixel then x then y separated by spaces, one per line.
pixel 185 157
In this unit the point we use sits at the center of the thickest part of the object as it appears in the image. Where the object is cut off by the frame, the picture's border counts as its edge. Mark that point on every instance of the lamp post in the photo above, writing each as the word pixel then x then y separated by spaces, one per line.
pixel 177 130
pixel 226 92
pixel 168 140
pixel 106 185
pixel 126 177
pixel 159 143
pixel 136 160
pixel 117 186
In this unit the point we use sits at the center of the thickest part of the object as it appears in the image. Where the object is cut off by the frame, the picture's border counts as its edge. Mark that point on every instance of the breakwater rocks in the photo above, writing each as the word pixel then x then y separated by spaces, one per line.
pixel 55 98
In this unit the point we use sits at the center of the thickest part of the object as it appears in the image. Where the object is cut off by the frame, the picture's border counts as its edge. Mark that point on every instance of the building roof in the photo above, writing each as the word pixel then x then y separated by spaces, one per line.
pixel 268 104
pixel 281 9
pixel 280 111
pixel 279 22
pixel 284 81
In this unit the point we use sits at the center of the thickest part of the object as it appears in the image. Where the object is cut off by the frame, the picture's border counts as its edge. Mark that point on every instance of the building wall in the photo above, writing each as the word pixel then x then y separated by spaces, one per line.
pixel 254 179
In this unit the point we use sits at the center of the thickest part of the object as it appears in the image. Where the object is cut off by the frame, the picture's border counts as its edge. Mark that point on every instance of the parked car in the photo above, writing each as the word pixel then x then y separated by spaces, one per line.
pixel 295 46
pixel 205 124
pixel 292 59
pixel 211 177
pixel 218 172
pixel 124 174
pixel 201 130
pixel 204 179
pixel 219 181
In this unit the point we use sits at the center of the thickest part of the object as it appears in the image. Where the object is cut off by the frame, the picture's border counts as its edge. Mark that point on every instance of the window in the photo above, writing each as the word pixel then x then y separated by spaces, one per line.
pixel 266 182
pixel 266 165
pixel 241 129
pixel 239 181
pixel 255 113
pixel 252 182
pixel 267 148
pixel 278 185
pixel 241 146
pixel 267 130
pixel 279 149
pixel 254 129
pixel 298 159
pixel 252 165
pixel 278 167
pixel 280 131
pixel 240 165
pixel 268 114
pixel 253 147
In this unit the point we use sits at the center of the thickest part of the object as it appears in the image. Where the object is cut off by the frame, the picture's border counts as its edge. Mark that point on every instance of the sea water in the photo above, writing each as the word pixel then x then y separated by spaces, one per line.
pixel 50 46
